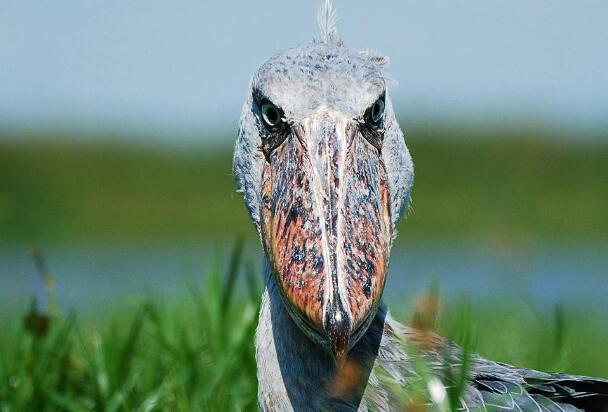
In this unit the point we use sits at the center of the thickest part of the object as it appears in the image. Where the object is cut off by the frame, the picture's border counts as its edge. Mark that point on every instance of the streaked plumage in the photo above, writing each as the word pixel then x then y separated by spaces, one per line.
pixel 325 174
pixel 295 374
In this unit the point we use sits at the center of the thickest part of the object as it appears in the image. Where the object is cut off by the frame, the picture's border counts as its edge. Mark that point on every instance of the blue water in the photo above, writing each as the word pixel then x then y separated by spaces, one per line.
pixel 96 276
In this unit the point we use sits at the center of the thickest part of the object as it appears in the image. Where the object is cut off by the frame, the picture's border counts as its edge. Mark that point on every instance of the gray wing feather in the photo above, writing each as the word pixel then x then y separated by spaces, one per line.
pixel 510 388
pixel 493 386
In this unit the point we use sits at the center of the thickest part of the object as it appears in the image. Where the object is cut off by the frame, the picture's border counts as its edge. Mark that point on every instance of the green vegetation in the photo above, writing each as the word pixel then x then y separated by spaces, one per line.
pixel 192 354
pixel 197 353
pixel 488 186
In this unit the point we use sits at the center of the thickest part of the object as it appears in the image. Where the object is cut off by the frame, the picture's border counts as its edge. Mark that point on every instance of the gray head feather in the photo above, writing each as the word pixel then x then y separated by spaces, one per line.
pixel 327 18
pixel 301 79
pixel 376 57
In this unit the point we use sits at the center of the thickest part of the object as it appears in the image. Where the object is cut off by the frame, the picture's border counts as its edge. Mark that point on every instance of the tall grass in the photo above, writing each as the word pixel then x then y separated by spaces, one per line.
pixel 196 353
pixel 193 354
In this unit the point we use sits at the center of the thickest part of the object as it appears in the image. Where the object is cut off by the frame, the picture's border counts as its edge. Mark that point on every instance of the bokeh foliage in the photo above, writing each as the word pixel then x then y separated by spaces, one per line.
pixel 509 184
pixel 196 353
pixel 192 354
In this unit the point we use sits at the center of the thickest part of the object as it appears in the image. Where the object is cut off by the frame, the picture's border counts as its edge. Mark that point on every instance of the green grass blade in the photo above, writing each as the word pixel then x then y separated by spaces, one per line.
pixel 231 275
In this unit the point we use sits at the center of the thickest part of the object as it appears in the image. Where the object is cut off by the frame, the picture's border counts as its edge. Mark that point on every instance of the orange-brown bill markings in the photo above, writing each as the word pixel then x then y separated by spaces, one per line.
pixel 367 229
pixel 292 230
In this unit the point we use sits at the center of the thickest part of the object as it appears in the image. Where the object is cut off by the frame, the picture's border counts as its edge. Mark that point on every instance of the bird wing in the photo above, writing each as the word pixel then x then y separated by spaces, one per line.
pixel 507 387
pixel 489 386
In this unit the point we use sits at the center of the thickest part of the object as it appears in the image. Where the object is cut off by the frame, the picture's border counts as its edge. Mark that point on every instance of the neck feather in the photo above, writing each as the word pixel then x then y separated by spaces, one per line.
pixel 294 373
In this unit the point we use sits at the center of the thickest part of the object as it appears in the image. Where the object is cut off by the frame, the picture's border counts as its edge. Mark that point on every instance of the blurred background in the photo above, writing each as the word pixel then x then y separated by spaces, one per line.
pixel 117 121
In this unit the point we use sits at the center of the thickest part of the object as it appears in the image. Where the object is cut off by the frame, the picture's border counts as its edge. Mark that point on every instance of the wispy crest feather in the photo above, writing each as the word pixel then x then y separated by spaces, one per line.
pixel 327 19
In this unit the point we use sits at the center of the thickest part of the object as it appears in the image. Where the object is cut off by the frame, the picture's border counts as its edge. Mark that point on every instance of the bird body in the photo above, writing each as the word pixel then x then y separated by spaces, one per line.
pixel 294 374
pixel 325 173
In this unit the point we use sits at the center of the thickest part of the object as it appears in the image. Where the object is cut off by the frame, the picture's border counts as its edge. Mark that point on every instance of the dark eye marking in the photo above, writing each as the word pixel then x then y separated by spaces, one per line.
pixel 271 114
pixel 376 113
pixel 371 123
pixel 272 125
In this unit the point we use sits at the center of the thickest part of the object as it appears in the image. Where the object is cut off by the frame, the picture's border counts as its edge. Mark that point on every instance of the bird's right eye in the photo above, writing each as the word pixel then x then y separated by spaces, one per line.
pixel 271 115
pixel 273 126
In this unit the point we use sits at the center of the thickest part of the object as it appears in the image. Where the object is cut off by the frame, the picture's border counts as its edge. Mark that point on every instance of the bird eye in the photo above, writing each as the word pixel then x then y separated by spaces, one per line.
pixel 273 126
pixel 271 114
pixel 372 123
pixel 377 111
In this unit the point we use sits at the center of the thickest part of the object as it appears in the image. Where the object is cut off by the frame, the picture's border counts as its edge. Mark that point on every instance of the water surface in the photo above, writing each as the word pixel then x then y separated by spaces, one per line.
pixel 93 277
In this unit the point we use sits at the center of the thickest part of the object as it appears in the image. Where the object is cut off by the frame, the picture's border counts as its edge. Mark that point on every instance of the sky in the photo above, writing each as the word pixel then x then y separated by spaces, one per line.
pixel 182 67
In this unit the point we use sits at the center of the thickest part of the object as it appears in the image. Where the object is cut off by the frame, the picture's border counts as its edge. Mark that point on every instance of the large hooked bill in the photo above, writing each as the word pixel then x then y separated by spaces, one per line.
pixel 326 227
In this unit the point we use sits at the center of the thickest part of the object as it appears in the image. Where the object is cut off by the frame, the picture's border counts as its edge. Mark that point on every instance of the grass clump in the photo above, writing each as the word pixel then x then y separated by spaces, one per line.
pixel 197 353
pixel 194 354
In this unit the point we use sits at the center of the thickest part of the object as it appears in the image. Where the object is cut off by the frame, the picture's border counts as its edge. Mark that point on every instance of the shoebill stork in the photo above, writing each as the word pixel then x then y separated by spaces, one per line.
pixel 326 175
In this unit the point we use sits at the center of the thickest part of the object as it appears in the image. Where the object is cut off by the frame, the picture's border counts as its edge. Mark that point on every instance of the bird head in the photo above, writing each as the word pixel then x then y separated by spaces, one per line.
pixel 325 174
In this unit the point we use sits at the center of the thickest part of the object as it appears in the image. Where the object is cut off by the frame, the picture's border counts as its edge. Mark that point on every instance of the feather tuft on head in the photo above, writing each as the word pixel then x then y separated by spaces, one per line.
pixel 376 57
pixel 327 18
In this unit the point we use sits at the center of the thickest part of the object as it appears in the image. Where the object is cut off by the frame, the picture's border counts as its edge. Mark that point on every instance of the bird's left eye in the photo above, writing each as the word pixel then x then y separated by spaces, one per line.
pixel 376 111
pixel 372 123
